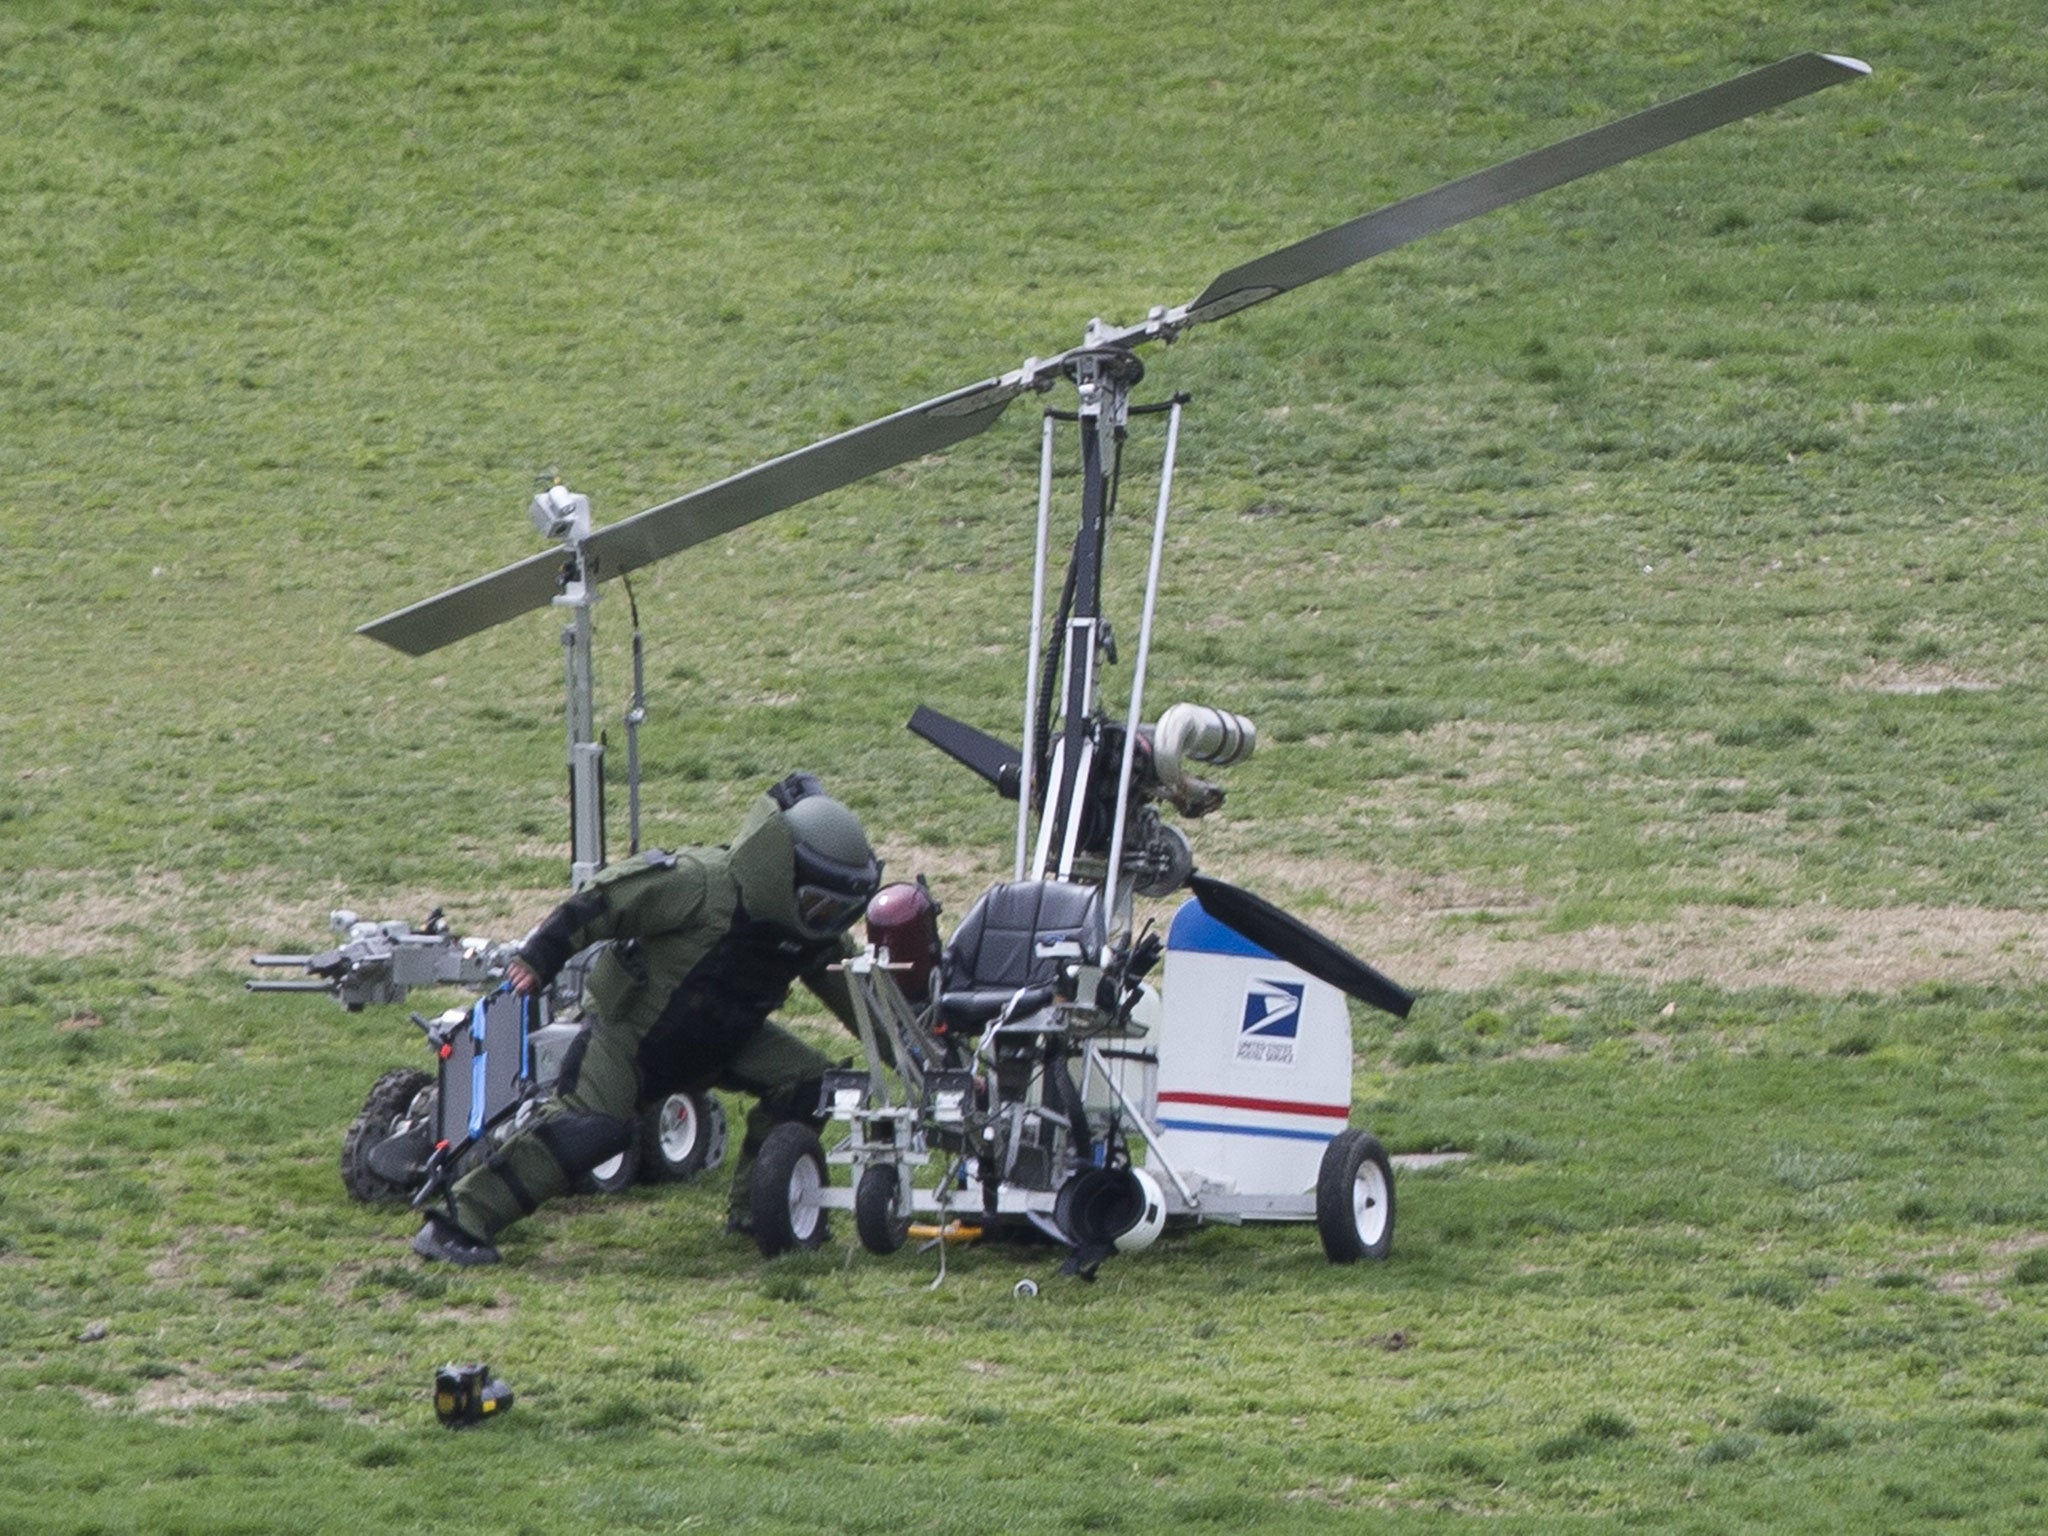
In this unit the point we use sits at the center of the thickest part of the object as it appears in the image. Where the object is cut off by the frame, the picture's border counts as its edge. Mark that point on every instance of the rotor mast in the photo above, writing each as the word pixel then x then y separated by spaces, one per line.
pixel 586 750
pixel 1103 377
pixel 562 514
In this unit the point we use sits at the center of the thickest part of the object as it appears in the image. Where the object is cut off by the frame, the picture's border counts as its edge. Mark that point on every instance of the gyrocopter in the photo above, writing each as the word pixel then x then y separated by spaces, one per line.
pixel 1031 1070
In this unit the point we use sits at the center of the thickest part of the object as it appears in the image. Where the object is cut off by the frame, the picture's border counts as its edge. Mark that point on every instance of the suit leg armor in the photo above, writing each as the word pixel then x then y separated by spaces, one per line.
pixel 785 1076
pixel 588 1119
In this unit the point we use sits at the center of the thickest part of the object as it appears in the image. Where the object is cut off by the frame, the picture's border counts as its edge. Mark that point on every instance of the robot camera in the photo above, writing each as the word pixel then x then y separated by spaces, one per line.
pixel 559 513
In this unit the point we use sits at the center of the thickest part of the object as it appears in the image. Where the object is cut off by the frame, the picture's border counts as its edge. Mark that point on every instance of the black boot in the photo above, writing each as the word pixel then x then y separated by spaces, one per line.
pixel 440 1238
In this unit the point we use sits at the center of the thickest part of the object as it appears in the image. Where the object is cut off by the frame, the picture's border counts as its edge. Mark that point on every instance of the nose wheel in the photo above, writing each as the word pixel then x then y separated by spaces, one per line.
pixel 1355 1199
pixel 787 1198
pixel 878 1216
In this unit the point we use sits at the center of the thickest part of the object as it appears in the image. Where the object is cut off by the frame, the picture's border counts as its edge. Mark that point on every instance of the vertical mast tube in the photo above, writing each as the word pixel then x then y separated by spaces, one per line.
pixel 1131 720
pixel 1027 784
pixel 1103 381
pixel 586 753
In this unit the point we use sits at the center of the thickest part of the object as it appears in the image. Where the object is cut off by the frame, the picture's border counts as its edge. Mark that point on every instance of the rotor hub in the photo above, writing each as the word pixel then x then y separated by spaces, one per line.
pixel 1117 367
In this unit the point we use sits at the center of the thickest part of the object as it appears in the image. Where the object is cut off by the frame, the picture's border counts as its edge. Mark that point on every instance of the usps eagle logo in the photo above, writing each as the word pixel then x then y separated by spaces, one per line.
pixel 1272 1020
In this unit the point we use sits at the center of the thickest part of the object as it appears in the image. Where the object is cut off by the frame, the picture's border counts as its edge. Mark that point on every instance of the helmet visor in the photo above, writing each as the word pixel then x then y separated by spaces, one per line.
pixel 822 911
pixel 831 896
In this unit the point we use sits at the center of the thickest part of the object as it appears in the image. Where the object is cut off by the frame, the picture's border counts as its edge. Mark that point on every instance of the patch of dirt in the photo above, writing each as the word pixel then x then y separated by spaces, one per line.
pixel 1444 932
pixel 183 1395
pixel 54 913
pixel 1430 931
pixel 1815 948
pixel 1979 1288
pixel 172 1396
pixel 146 916
pixel 179 1394
pixel 1896 677
pixel 172 1265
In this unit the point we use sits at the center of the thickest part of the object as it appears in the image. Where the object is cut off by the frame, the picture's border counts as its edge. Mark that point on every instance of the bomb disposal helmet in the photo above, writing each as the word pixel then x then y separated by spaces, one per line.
pixel 803 862
pixel 836 872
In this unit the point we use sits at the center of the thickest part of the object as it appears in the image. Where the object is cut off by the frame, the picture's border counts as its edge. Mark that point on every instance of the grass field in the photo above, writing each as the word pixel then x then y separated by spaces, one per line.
pixel 1638 591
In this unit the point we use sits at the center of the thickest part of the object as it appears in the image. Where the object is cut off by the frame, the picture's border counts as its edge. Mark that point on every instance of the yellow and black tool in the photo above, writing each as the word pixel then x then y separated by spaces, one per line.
pixel 467 1394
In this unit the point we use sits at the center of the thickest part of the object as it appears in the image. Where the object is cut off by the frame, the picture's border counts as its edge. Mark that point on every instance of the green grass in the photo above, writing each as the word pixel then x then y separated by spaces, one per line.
pixel 1661 555
pixel 1739 1283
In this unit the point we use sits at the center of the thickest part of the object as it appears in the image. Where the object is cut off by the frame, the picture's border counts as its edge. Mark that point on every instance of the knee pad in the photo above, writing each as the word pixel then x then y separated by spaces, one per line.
pixel 796 1101
pixel 579 1142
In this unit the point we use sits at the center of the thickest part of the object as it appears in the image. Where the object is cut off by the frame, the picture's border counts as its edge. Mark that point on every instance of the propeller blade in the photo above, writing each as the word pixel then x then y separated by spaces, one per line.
pixel 1538 171
pixel 994 760
pixel 1298 944
pixel 704 514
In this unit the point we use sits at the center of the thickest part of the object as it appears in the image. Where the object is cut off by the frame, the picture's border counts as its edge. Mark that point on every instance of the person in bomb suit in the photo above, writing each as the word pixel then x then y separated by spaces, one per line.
pixel 705 944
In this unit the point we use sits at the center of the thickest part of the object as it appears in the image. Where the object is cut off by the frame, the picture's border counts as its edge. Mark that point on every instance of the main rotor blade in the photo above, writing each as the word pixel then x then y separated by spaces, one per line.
pixel 704 514
pixel 836 461
pixel 1298 944
pixel 1538 171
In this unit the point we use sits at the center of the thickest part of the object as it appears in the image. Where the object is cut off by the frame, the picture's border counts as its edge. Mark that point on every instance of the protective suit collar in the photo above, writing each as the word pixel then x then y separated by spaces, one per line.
pixel 763 862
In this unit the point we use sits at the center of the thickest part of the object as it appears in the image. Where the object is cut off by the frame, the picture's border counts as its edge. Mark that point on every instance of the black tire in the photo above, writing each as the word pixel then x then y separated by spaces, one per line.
pixel 614 1173
pixel 1355 1199
pixel 681 1136
pixel 385 1107
pixel 877 1218
pixel 789 1177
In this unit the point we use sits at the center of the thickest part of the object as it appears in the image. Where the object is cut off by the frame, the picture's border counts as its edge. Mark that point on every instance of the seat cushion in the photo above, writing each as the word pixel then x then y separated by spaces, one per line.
pixel 995 950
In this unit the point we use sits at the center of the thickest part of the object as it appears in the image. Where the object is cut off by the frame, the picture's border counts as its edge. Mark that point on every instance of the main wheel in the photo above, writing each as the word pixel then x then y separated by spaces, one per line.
pixel 681 1136
pixel 878 1216
pixel 1355 1199
pixel 390 1101
pixel 787 1196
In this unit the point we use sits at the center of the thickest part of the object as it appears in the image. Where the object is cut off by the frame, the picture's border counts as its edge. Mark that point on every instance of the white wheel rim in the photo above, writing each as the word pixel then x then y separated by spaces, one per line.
pixel 608 1170
pixel 806 1203
pixel 1370 1205
pixel 678 1130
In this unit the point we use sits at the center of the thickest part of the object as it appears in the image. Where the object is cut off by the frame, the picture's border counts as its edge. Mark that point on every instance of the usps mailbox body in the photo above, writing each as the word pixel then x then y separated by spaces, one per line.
pixel 1254 1066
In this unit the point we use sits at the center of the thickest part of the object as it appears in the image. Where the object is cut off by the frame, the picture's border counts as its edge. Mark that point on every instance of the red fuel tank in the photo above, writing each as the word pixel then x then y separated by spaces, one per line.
pixel 904 919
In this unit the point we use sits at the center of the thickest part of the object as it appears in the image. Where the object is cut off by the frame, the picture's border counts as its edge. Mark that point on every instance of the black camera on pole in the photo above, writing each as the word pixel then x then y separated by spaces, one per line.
pixel 466 1394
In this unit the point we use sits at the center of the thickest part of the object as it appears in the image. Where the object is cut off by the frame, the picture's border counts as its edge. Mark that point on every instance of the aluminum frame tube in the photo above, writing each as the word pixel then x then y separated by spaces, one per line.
pixel 1119 891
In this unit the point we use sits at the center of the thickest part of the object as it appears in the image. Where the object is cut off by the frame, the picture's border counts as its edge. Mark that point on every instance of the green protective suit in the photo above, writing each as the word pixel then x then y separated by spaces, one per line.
pixel 705 946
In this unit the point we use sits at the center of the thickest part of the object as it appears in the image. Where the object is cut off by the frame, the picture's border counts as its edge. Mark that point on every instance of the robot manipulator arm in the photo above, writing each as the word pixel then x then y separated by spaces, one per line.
pixel 379 962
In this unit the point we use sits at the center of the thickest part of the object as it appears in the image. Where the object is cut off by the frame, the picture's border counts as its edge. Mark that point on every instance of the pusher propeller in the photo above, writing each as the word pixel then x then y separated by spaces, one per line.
pixel 1288 937
pixel 997 763
pixel 989 758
